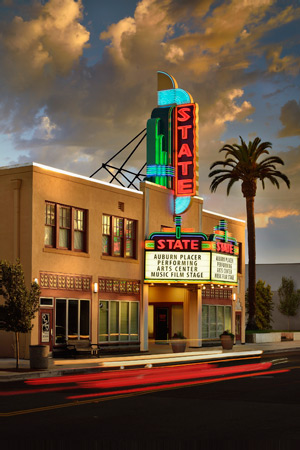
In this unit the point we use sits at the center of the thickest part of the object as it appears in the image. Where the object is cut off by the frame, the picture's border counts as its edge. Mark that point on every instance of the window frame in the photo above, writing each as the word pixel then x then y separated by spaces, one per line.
pixel 67 302
pixel 109 230
pixel 210 309
pixel 53 226
pixel 57 227
pixel 119 321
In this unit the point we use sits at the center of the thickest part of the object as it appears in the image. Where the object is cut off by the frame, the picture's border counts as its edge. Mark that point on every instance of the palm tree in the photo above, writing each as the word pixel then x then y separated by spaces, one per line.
pixel 241 164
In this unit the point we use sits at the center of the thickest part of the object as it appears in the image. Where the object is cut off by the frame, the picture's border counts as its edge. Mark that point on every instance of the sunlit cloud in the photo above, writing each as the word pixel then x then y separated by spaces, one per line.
pixel 263 220
pixel 290 119
pixel 218 51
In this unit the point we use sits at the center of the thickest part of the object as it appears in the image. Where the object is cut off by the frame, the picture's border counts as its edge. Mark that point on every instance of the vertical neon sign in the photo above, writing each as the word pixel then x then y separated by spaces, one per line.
pixel 185 150
pixel 172 142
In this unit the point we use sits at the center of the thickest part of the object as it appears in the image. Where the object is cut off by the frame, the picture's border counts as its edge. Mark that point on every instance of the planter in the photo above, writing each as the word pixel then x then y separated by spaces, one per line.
pixel 38 355
pixel 227 342
pixel 178 346
pixel 261 338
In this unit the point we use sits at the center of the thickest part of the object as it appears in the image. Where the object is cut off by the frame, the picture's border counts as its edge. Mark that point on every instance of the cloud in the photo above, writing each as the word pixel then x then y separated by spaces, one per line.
pixel 50 42
pixel 289 63
pixel 290 119
pixel 278 242
pixel 94 110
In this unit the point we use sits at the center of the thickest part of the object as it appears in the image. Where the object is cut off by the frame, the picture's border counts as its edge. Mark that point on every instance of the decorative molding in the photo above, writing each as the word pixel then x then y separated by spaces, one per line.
pixel 65 282
pixel 118 286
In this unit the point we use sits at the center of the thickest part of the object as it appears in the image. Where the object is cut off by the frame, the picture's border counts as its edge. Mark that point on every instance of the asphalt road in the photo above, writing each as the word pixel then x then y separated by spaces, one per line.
pixel 262 409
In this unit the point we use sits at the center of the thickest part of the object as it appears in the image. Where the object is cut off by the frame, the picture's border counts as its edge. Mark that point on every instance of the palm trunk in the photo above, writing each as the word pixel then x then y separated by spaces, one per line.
pixel 17 349
pixel 251 262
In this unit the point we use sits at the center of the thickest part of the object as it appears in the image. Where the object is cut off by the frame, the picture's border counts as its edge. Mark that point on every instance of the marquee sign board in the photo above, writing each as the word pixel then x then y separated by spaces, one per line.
pixel 224 268
pixel 192 257
pixel 184 266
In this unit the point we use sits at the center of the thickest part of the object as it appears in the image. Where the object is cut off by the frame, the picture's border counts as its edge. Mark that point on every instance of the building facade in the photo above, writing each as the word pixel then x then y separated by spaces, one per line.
pixel 83 241
pixel 272 274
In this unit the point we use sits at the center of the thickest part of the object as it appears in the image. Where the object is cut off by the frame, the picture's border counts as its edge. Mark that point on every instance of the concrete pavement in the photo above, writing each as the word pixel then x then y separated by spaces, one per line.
pixel 157 354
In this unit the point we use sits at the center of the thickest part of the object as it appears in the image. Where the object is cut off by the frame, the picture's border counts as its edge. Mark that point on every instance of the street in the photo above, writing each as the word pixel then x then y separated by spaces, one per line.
pixel 262 405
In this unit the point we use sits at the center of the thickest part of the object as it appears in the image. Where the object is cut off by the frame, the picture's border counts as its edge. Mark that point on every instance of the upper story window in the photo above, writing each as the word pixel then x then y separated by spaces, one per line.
pixel 65 227
pixel 118 236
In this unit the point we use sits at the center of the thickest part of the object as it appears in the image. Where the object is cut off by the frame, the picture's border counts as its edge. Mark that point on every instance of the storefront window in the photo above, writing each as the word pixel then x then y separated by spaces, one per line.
pixel 103 321
pixel 124 324
pixel 227 318
pixel 220 314
pixel 212 321
pixel 72 320
pixel 215 319
pixel 134 321
pixel 205 324
pixel 118 321
pixel 114 321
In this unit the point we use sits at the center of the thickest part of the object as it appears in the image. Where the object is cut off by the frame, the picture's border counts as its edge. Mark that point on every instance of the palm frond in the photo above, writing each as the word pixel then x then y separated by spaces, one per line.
pixel 241 163
pixel 230 184
pixel 217 180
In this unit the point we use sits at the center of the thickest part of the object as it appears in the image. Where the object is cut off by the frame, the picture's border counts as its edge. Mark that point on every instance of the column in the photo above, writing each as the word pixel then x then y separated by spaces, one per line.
pixel 16 185
pixel 144 318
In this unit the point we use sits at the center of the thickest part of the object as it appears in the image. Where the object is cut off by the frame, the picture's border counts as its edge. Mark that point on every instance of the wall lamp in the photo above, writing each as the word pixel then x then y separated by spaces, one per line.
pixel 95 287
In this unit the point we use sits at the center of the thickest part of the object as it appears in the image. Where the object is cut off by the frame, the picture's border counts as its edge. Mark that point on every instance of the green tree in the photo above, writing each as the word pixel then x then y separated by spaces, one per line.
pixel 20 303
pixel 263 305
pixel 289 298
pixel 241 164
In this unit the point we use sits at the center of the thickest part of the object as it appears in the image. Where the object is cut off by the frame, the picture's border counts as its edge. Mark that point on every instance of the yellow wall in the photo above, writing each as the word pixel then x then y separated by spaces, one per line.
pixel 152 208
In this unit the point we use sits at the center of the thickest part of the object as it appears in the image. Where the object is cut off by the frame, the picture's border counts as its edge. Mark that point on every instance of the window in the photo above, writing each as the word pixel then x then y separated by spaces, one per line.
pixel 50 225
pixel 118 236
pixel 215 319
pixel 130 238
pixel 79 236
pixel 46 301
pixel 65 227
pixel 72 320
pixel 118 321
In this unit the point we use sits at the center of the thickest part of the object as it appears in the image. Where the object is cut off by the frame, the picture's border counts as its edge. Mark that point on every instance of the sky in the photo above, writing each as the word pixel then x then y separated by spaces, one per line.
pixel 78 81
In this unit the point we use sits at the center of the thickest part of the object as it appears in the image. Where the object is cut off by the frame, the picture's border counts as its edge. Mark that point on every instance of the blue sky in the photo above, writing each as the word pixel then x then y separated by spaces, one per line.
pixel 78 81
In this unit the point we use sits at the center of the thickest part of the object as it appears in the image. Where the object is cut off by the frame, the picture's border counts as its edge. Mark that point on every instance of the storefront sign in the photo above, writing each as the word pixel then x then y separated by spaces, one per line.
pixel 45 327
pixel 192 257
pixel 183 266
pixel 224 268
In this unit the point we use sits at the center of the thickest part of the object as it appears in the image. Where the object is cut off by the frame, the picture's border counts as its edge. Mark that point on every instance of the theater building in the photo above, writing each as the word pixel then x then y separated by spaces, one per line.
pixel 120 267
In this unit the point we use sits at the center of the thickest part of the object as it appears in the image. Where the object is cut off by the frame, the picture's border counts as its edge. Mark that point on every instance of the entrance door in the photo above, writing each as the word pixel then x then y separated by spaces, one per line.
pixel 238 326
pixel 46 327
pixel 161 323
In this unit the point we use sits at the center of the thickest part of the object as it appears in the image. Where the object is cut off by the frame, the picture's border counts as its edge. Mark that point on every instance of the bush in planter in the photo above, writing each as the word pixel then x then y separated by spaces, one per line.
pixel 178 335
pixel 227 339
pixel 178 343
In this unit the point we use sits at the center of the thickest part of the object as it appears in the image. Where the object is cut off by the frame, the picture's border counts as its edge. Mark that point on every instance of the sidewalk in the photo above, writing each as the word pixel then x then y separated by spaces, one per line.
pixel 157 354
